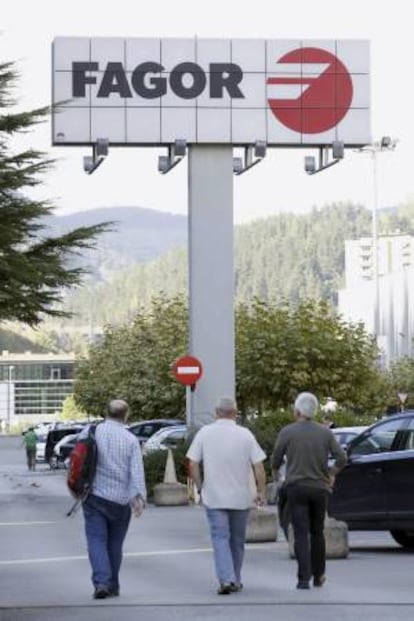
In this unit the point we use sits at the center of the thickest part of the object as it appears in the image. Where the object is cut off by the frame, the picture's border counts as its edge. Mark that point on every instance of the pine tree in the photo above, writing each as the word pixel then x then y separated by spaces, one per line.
pixel 33 266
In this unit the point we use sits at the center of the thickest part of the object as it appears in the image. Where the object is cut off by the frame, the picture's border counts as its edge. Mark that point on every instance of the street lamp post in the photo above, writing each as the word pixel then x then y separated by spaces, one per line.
pixel 385 144
pixel 11 369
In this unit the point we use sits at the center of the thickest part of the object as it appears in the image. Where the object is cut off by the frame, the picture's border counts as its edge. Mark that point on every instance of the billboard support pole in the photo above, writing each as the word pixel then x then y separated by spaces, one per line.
pixel 211 276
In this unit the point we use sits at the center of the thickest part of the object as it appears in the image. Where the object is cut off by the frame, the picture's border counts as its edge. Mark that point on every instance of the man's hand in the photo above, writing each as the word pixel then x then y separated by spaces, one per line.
pixel 260 499
pixel 276 475
pixel 137 506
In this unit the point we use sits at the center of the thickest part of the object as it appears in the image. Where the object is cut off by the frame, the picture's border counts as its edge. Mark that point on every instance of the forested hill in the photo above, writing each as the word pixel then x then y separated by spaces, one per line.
pixel 284 256
pixel 138 235
pixel 17 343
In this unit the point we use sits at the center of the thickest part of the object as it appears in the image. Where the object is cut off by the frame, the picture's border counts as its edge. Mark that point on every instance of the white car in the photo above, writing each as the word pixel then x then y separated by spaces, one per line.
pixel 40 445
pixel 60 456
pixel 344 435
pixel 41 432
pixel 165 438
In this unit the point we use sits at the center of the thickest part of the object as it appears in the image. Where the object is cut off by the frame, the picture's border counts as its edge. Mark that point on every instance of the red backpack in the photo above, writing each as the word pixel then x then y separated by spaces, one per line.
pixel 82 467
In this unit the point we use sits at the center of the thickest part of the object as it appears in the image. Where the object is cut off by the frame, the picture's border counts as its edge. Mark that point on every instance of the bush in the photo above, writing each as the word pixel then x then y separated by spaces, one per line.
pixel 348 418
pixel 155 462
pixel 265 428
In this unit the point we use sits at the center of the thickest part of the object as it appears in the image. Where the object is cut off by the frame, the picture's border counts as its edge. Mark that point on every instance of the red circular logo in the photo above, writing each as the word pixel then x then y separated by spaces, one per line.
pixel 313 94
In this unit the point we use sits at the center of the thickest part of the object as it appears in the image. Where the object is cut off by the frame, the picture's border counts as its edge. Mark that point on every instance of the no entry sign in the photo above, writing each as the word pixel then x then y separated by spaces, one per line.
pixel 187 370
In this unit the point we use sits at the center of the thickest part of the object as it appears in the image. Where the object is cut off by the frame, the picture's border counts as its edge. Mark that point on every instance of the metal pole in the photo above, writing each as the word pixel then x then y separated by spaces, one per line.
pixel 375 247
pixel 188 406
pixel 8 404
pixel 11 367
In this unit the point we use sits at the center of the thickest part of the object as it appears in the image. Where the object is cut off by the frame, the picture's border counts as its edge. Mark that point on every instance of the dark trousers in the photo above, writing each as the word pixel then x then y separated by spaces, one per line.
pixel 31 458
pixel 307 506
pixel 106 524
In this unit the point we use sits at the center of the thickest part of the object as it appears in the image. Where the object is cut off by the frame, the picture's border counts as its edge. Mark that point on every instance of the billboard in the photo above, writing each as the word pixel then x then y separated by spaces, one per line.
pixel 150 92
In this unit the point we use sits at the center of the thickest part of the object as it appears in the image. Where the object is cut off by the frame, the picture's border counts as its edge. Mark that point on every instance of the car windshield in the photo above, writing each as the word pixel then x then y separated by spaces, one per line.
pixel 376 440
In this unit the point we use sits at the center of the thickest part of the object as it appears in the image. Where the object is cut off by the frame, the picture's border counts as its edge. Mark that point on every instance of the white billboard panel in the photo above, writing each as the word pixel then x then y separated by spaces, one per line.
pixel 151 92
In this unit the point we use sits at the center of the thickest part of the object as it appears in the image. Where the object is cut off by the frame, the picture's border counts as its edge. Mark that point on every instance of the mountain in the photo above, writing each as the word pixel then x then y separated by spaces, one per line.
pixel 282 257
pixel 17 343
pixel 138 235
pixel 285 257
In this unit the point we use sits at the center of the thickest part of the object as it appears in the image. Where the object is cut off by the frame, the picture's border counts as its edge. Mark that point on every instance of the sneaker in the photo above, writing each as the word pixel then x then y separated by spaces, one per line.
pixel 319 581
pixel 101 592
pixel 303 584
pixel 224 589
pixel 113 592
pixel 236 586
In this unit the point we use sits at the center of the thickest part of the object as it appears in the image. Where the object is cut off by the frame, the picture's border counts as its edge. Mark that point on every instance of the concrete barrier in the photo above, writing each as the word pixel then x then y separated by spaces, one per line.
pixel 170 494
pixel 262 525
pixel 271 493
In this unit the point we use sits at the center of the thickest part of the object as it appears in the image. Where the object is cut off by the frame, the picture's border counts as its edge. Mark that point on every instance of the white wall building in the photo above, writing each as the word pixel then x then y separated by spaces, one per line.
pixel 33 387
pixel 395 291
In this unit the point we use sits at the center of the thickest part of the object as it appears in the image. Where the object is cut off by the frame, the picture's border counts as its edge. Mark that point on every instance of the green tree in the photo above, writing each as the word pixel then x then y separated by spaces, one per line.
pixel 134 362
pixel 33 268
pixel 401 375
pixel 71 411
pixel 282 350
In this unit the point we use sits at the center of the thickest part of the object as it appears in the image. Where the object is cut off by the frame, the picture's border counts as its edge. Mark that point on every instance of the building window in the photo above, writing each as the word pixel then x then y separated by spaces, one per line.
pixel 55 373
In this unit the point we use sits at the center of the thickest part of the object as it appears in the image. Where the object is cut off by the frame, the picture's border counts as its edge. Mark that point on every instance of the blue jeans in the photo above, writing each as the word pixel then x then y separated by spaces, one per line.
pixel 228 534
pixel 106 524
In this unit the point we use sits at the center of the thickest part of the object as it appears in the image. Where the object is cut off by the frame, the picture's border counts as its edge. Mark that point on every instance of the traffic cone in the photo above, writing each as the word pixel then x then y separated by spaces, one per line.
pixel 170 474
pixel 170 492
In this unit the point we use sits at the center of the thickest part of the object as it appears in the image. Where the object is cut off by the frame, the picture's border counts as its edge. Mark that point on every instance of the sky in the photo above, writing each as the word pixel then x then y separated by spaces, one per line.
pixel 129 177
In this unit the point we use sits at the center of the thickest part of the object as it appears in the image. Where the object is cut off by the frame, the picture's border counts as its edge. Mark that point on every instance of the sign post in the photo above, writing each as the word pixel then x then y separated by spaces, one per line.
pixel 188 370
pixel 403 398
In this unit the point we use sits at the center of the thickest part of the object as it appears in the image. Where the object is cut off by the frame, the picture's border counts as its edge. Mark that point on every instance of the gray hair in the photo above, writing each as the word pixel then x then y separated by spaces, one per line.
pixel 117 408
pixel 306 404
pixel 226 406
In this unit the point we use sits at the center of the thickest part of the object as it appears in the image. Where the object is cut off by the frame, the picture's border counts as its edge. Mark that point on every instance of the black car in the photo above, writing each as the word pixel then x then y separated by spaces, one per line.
pixel 145 429
pixel 375 490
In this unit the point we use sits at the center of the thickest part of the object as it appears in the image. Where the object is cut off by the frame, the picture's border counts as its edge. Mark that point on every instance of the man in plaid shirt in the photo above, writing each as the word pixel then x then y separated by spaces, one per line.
pixel 118 488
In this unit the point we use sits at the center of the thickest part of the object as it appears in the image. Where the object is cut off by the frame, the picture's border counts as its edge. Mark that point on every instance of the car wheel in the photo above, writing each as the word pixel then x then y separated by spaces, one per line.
pixel 404 537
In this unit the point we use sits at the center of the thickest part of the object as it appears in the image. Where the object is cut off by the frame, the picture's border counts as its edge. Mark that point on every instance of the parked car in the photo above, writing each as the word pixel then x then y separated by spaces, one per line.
pixel 53 438
pixel 145 429
pixel 165 438
pixel 63 449
pixel 375 490
pixel 344 435
pixel 40 445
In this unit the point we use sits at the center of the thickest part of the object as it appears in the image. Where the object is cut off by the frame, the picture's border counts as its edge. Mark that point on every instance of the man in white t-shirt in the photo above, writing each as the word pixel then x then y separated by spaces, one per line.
pixel 228 453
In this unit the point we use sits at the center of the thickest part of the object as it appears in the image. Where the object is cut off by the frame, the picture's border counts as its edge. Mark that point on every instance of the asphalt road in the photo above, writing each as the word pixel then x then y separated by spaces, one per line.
pixel 167 573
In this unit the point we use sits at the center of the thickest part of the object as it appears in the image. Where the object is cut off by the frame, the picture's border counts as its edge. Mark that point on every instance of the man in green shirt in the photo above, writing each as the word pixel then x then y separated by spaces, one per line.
pixel 30 441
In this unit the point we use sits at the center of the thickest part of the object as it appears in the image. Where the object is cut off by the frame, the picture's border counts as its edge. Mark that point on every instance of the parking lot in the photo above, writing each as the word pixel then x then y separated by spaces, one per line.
pixel 167 570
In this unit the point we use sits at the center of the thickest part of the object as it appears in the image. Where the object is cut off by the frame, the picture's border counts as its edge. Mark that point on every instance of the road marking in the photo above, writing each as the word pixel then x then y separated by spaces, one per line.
pixel 26 523
pixel 60 559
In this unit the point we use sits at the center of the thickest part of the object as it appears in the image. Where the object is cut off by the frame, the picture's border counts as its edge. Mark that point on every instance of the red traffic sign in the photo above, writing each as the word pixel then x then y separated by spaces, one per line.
pixel 187 370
